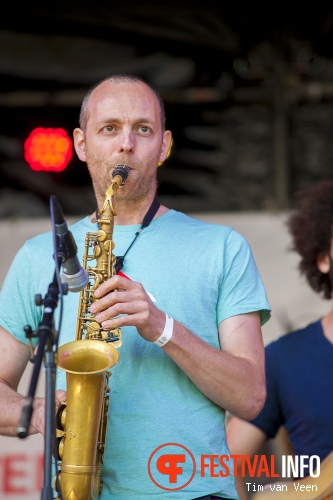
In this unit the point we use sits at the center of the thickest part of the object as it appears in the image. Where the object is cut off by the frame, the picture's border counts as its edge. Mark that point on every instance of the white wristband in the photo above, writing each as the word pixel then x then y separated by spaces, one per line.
pixel 167 332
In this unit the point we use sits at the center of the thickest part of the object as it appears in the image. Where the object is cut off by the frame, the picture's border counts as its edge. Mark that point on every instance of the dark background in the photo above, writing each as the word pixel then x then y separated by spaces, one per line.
pixel 247 88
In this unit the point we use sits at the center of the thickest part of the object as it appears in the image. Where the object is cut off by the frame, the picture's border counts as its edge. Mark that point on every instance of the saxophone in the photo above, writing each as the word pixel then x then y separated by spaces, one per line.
pixel 82 420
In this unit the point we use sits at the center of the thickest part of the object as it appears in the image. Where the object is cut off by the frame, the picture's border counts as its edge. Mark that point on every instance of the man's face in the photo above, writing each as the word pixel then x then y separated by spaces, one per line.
pixel 123 126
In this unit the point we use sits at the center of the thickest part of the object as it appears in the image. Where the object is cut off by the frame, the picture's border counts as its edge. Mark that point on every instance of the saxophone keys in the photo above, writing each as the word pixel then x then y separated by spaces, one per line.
pixel 93 330
pixel 109 245
pixel 97 251
pixel 101 235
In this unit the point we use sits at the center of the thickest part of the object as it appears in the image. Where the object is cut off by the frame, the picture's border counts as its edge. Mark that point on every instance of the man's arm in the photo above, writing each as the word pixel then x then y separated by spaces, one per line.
pixel 233 377
pixel 243 438
pixel 14 356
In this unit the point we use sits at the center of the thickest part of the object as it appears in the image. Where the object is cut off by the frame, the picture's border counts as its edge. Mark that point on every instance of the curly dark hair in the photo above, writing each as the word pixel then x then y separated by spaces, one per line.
pixel 311 230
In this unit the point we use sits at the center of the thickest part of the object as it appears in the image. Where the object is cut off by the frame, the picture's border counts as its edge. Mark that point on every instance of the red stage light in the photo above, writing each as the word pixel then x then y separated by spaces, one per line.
pixel 48 149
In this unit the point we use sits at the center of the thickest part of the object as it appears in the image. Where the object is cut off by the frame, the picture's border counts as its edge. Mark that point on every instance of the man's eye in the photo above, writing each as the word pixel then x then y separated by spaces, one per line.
pixel 109 128
pixel 145 129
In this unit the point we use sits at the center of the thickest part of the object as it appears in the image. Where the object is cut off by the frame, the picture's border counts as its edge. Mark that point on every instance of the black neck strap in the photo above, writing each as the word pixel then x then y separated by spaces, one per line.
pixel 146 221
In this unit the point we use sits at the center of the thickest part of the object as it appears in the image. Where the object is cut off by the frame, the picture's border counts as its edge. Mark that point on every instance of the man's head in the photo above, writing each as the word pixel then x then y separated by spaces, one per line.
pixel 120 78
pixel 122 121
pixel 311 230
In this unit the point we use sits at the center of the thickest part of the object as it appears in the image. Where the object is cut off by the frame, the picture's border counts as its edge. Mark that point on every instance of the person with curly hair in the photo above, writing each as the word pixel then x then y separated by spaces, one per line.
pixel 299 365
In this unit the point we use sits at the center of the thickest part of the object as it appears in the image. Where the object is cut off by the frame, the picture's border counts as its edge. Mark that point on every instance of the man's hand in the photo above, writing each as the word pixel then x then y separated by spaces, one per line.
pixel 37 425
pixel 122 302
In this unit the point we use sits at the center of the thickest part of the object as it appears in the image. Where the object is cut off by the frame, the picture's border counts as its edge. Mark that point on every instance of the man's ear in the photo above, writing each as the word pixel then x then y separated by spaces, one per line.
pixel 79 143
pixel 323 262
pixel 166 146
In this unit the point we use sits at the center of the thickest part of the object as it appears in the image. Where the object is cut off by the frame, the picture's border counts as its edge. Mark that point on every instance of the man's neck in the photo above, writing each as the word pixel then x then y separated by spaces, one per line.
pixel 327 323
pixel 132 212
pixel 127 217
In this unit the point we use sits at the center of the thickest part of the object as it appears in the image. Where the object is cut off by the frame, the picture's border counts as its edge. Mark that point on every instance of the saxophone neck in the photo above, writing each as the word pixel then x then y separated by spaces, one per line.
pixel 119 177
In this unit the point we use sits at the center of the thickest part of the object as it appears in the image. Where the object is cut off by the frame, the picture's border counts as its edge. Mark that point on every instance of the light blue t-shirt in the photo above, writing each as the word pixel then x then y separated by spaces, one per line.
pixel 198 273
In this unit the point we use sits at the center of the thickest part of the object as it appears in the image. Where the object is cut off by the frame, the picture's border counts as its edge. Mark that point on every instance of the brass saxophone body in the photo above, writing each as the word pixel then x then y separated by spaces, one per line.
pixel 82 420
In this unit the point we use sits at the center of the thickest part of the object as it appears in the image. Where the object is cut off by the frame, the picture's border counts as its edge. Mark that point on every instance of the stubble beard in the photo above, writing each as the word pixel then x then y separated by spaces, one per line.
pixel 143 175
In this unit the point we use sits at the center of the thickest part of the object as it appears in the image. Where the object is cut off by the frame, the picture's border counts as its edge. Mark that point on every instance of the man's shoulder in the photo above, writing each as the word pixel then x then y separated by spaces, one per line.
pixel 199 222
pixel 44 240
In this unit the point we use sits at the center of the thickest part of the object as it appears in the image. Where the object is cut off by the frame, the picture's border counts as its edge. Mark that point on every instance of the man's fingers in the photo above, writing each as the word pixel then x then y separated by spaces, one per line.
pixel 60 397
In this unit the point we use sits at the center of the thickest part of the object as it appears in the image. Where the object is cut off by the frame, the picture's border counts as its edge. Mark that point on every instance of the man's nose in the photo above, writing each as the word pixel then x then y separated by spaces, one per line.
pixel 126 141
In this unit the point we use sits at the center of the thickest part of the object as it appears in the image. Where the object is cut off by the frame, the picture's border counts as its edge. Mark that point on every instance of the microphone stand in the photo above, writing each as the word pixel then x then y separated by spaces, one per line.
pixel 47 347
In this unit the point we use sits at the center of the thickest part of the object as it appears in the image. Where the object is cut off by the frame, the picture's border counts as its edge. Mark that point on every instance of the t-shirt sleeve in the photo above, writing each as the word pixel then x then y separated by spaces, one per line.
pixel 242 290
pixel 17 296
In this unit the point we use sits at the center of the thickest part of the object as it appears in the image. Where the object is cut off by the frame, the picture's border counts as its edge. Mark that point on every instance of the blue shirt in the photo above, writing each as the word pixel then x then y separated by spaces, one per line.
pixel 299 374
pixel 198 273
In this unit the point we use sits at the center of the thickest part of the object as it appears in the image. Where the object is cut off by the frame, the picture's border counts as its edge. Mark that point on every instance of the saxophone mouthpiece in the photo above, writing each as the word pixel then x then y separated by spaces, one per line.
pixel 123 172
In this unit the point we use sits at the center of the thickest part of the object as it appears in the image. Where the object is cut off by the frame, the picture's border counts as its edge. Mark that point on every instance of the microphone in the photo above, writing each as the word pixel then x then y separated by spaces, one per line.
pixel 74 275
